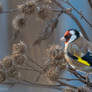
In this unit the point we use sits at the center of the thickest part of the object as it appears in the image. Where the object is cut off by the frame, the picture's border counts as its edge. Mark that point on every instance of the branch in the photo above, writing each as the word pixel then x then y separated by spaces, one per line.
pixel 80 77
pixel 90 3
pixel 65 84
pixel 31 84
pixel 73 17
pixel 68 79
pixel 80 13
pixel 49 29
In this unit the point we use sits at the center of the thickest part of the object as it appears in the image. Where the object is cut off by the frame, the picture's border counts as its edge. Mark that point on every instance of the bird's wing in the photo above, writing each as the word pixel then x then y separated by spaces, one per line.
pixel 76 50
pixel 88 57
pixel 80 55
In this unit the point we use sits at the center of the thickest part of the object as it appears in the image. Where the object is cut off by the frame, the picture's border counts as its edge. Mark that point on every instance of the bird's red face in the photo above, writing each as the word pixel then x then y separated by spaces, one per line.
pixel 70 36
pixel 67 36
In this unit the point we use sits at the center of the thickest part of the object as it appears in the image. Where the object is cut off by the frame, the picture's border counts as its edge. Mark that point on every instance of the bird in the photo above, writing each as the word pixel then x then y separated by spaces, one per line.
pixel 77 50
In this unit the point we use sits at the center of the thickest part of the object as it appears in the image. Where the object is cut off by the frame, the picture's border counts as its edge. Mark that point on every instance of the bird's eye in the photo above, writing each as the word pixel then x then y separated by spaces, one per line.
pixel 68 36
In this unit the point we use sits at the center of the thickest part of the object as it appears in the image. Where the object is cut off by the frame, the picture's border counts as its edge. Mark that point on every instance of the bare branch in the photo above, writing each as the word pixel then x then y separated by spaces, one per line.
pixel 90 3
pixel 68 79
pixel 31 84
pixel 65 84
pixel 80 77
pixel 80 13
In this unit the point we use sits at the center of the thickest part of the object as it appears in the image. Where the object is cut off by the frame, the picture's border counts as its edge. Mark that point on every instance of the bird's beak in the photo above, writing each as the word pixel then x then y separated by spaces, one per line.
pixel 62 39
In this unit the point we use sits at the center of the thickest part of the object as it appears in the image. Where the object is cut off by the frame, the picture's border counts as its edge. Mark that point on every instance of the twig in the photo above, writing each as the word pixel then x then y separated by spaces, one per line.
pixel 67 79
pixel 65 84
pixel 80 77
pixel 80 13
pixel 90 3
pixel 46 33
pixel 31 84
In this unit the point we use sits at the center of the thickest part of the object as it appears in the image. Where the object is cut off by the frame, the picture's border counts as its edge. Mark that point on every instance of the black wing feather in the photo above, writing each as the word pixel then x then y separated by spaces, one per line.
pixel 88 57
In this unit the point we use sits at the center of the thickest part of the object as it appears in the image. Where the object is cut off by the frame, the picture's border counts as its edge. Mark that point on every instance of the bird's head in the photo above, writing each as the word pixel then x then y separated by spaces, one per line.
pixel 70 36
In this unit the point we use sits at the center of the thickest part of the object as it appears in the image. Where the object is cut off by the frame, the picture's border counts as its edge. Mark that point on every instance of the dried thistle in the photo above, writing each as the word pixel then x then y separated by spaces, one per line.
pixel 2 76
pixel 56 62
pixel 18 48
pixel 54 69
pixel 56 52
pixel 18 59
pixel 7 62
pixel 19 21
pixel 27 8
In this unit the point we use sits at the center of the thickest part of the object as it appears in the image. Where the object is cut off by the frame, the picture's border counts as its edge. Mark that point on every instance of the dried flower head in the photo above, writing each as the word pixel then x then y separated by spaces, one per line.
pixel 18 59
pixel 54 69
pixel 2 76
pixel 7 62
pixel 28 7
pixel 18 48
pixel 19 22
pixel 56 52
pixel 56 62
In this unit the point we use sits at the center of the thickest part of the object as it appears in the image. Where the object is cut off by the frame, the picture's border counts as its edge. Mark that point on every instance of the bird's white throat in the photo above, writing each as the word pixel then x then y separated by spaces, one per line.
pixel 73 37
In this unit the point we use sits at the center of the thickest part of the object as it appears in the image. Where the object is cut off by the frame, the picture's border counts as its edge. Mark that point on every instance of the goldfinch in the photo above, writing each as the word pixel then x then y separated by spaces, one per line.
pixel 78 51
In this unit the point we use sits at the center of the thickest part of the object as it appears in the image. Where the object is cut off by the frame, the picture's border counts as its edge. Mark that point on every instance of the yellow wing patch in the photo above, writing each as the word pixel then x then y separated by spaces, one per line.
pixel 83 61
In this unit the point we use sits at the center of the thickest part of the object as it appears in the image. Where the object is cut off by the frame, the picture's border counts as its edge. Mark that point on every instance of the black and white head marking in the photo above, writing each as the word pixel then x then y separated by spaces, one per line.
pixel 74 35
